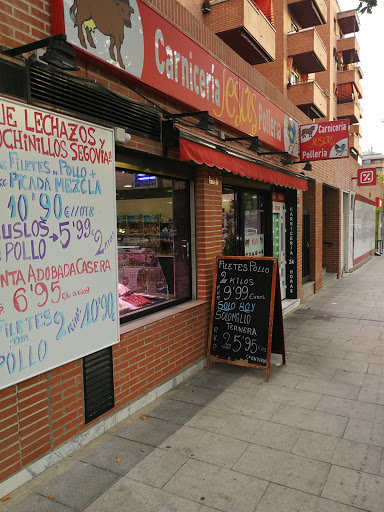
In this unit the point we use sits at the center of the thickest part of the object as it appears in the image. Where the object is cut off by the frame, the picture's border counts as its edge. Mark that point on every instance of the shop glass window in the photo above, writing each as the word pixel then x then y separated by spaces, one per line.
pixel 242 223
pixel 229 221
pixel 253 224
pixel 153 238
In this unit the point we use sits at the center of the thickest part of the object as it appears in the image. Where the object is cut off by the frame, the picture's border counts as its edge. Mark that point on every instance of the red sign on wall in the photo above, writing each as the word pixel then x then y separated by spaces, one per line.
pixel 379 202
pixel 366 177
pixel 154 51
pixel 324 141
pixel 277 196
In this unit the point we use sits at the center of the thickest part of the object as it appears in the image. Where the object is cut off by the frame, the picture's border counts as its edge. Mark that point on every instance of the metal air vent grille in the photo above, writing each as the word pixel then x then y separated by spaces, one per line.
pixel 92 100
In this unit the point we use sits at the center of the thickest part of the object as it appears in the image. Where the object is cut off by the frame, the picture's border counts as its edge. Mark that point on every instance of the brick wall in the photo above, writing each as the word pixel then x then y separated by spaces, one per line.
pixel 313 203
pixel 331 229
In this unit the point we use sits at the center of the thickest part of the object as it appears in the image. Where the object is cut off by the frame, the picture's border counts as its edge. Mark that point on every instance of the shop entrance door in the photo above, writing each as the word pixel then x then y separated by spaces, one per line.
pixel 278 235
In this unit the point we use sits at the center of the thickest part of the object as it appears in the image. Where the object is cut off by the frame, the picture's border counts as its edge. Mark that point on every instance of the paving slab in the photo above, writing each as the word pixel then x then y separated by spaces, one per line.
pixel 248 406
pixel 37 503
pixel 365 432
pixel 196 395
pixel 362 356
pixel 118 455
pixel 209 419
pixel 129 495
pixel 215 380
pixel 174 411
pixel 157 468
pixel 264 433
pixel 372 393
pixel 222 489
pixel 205 446
pixel 355 488
pixel 329 388
pixel 284 379
pixel 283 499
pixel 359 456
pixel 280 394
pixel 314 421
pixel 247 385
pixel 315 446
pixel 308 370
pixel 305 340
pixel 79 486
pixel 376 369
pixel 151 431
pixel 351 408
pixel 283 468
pixel 346 377
pixel 340 364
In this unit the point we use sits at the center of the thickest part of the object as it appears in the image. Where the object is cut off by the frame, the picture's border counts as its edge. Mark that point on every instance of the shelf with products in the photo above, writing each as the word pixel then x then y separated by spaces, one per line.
pixel 148 230
pixel 166 237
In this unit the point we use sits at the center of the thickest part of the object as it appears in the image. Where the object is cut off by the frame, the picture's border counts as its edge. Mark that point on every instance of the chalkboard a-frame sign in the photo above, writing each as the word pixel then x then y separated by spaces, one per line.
pixel 246 316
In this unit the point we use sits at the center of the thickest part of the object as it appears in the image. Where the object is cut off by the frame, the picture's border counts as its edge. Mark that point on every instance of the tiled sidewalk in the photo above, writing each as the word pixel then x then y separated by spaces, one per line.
pixel 310 440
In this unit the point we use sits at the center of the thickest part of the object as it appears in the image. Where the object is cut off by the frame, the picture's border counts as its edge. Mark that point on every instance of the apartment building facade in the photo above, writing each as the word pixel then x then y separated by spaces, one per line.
pixel 133 125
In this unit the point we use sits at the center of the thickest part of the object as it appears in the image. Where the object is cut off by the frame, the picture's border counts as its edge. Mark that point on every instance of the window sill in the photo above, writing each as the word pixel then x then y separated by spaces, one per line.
pixel 156 317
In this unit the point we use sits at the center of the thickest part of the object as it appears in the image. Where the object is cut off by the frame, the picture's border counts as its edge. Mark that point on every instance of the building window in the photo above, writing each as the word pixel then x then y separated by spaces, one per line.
pixel 335 58
pixel 293 78
pixel 294 27
pixel 153 231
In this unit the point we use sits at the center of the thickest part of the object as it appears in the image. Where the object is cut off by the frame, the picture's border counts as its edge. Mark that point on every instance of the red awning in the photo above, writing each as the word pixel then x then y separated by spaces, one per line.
pixel 234 162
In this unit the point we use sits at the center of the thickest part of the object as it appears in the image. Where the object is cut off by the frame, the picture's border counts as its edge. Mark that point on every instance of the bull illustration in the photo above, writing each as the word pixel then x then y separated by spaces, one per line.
pixel 108 16
pixel 308 131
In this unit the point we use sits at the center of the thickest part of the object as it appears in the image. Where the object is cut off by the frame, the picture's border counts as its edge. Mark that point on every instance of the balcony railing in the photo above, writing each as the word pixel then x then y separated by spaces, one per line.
pixel 309 97
pixel 309 13
pixel 349 110
pixel 246 30
pixel 350 49
pixel 348 21
pixel 350 76
pixel 307 50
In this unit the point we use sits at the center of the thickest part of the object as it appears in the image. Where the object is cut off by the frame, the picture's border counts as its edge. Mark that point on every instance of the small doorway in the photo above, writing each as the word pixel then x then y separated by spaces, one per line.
pixel 306 246
pixel 243 222
pixel 345 230
pixel 278 240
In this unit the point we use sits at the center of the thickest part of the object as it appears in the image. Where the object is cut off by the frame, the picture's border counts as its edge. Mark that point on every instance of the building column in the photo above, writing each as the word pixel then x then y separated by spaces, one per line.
pixel 332 230
pixel 208 228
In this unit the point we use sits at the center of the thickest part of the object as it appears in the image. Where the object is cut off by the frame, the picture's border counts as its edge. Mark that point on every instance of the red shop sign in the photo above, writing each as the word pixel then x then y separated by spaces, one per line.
pixel 155 52
pixel 379 202
pixel 276 196
pixel 324 141
pixel 366 177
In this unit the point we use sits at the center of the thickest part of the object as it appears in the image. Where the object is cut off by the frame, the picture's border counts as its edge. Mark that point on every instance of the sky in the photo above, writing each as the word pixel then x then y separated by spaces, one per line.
pixel 371 41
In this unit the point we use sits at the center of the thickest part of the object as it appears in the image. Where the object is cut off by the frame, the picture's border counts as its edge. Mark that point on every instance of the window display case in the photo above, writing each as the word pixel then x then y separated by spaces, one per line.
pixel 141 279
pixel 153 239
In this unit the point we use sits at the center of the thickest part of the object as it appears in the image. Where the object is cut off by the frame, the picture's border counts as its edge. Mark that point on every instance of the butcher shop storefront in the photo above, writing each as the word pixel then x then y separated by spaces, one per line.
pixel 119 193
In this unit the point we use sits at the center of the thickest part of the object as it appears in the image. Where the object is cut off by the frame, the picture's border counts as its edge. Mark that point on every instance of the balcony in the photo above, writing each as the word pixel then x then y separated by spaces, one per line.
pixel 354 144
pixel 309 13
pixel 307 50
pixel 243 27
pixel 351 110
pixel 350 49
pixel 351 75
pixel 309 98
pixel 356 129
pixel 348 21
